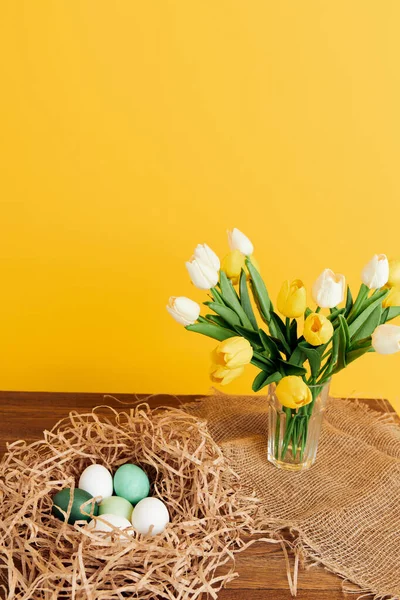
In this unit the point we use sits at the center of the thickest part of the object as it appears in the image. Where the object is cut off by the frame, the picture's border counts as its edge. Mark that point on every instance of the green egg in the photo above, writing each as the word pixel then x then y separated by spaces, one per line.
pixel 116 505
pixel 131 483
pixel 61 500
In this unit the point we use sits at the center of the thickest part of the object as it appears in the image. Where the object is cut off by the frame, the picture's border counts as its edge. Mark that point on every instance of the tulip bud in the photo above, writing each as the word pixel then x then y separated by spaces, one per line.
pixel 386 339
pixel 375 274
pixel 202 276
pixel 328 290
pixel 393 298
pixel 223 375
pixel 292 392
pixel 232 353
pixel 238 241
pixel 233 263
pixel 205 255
pixel 292 299
pixel 394 273
pixel 183 310
pixel 204 267
pixel 317 329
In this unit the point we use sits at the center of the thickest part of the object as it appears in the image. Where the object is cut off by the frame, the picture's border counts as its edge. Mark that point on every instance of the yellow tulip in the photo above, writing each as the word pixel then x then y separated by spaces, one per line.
pixel 233 353
pixel 393 298
pixel 292 392
pixel 292 299
pixel 317 329
pixel 223 375
pixel 233 263
pixel 394 273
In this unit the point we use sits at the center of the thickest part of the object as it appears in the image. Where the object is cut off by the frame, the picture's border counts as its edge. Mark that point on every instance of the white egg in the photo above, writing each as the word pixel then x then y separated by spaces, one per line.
pixel 107 522
pixel 96 480
pixel 150 512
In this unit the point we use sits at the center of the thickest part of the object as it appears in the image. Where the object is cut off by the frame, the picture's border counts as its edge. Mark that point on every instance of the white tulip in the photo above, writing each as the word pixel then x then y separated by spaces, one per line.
pixel 328 290
pixel 238 241
pixel 386 339
pixel 183 310
pixel 204 254
pixel 375 274
pixel 202 275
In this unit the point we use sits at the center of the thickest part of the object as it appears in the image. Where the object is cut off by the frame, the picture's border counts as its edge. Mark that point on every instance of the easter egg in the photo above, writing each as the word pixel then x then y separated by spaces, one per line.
pixel 131 482
pixel 107 523
pixel 96 480
pixel 61 501
pixel 116 505
pixel 150 512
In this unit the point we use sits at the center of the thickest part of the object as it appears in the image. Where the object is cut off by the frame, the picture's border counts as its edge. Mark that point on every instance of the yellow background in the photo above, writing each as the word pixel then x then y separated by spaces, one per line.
pixel 133 130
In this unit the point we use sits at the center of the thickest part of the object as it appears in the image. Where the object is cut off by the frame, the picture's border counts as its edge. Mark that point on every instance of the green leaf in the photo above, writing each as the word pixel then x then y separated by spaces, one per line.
pixel 268 364
pixel 313 356
pixel 212 331
pixel 345 330
pixel 216 296
pixel 260 293
pixel 279 344
pixel 245 299
pixel 385 314
pixel 391 312
pixel 290 369
pixel 369 325
pixel 364 315
pixel 252 336
pixel 354 354
pixel 274 378
pixel 344 342
pixel 379 294
pixel 217 320
pixel 230 298
pixel 307 312
pixel 297 357
pixel 262 366
pixel 335 349
pixel 263 379
pixel 340 347
pixel 363 343
pixel 335 312
pixel 279 331
pixel 349 302
pixel 259 381
pixel 358 304
pixel 269 344
pixel 225 312
pixel 358 323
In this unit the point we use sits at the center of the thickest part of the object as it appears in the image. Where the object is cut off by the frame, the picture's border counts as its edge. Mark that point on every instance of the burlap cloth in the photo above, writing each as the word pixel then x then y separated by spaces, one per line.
pixel 345 510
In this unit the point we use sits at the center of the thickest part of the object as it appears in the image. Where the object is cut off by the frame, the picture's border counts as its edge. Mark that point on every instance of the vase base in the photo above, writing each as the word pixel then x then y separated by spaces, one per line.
pixel 288 466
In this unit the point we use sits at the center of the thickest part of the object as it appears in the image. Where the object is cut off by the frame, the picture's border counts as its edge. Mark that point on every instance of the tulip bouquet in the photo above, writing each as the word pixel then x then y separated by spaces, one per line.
pixel 301 347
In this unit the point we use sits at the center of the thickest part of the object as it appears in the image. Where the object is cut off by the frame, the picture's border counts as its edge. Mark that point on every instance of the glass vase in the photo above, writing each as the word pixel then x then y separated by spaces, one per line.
pixel 293 434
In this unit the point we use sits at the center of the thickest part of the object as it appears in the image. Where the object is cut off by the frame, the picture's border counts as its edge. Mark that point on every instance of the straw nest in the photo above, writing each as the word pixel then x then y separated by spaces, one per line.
pixel 44 558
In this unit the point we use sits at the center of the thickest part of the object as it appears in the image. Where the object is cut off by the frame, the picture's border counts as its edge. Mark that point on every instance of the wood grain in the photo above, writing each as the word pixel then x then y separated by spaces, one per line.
pixel 261 568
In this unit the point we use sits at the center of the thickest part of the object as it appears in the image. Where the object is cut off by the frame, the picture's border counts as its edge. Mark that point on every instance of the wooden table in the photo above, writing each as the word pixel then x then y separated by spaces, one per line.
pixel 261 569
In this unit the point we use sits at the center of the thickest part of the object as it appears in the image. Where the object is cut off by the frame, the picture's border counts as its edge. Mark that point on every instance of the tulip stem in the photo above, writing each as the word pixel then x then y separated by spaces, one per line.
pixel 288 435
pixel 288 329
pixel 304 438
pixel 317 310
pixel 277 433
